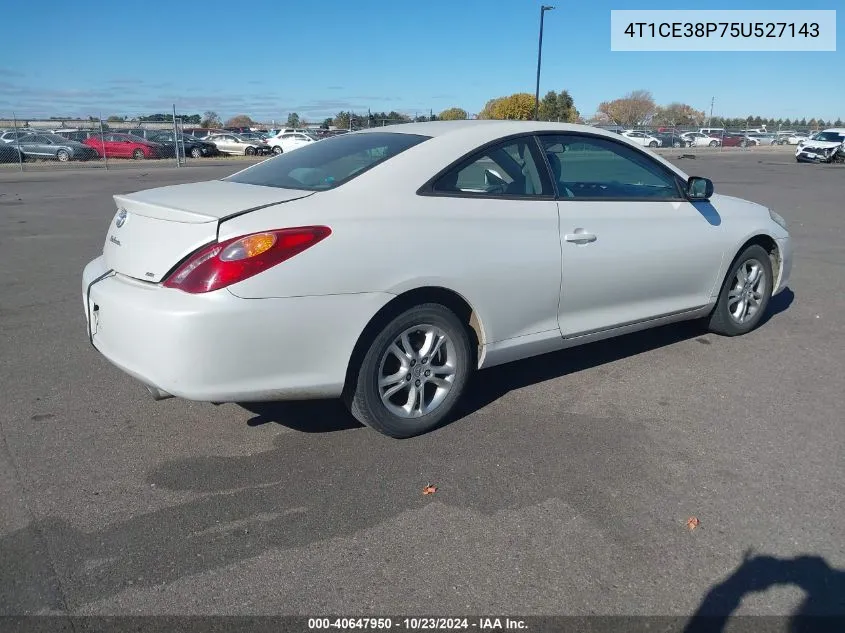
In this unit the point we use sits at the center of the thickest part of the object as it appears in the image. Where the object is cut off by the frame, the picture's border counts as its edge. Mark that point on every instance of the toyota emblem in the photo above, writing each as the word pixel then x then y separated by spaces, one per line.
pixel 121 218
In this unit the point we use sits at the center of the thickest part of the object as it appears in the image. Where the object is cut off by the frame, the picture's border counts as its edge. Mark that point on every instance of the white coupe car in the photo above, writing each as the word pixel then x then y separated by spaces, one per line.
pixel 385 266
pixel 289 141
pixel 642 138
pixel 697 139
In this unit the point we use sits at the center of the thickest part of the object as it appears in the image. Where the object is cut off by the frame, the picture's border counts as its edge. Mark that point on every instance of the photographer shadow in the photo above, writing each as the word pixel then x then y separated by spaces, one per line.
pixel 823 607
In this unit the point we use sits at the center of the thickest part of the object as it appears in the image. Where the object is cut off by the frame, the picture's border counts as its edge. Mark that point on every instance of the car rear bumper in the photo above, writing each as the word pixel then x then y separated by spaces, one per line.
pixel 222 348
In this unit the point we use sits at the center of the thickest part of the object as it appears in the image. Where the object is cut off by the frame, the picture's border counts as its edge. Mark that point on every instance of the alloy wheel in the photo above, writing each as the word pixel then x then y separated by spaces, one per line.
pixel 747 291
pixel 417 371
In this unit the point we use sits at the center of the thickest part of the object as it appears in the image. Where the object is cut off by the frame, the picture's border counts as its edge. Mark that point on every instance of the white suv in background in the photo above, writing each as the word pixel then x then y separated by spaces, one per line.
pixel 289 141
pixel 643 138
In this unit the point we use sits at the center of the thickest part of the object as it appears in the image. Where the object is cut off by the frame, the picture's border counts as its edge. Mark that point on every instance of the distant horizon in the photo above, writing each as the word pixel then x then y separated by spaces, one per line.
pixel 371 55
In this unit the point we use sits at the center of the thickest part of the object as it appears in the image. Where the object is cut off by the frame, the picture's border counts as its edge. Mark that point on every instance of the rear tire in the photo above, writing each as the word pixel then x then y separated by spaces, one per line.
pixel 249 151
pixel 653 144
pixel 403 392
pixel 714 143
pixel 277 150
pixel 745 293
pixel 196 152
pixel 63 156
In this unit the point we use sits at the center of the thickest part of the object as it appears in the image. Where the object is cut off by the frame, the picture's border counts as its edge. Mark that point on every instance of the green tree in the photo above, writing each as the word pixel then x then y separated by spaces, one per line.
pixel 558 106
pixel 453 114
pixel 293 120
pixel 240 120
pixel 211 119
pixel 837 123
pixel 327 123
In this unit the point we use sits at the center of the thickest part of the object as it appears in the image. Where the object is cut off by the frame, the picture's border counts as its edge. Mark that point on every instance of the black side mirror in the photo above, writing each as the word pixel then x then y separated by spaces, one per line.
pixel 699 188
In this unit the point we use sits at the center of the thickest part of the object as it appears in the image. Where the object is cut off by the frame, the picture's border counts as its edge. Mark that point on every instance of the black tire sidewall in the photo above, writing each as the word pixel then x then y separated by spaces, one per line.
pixel 196 152
pixel 138 154
pixel 367 400
pixel 727 322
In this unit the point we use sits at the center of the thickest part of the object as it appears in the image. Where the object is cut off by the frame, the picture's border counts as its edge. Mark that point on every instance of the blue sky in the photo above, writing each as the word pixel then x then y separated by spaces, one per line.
pixel 266 58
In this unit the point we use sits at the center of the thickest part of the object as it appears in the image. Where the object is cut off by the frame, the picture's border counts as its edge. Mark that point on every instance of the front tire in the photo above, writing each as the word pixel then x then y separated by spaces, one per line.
pixel 249 151
pixel 413 372
pixel 653 144
pixel 714 143
pixel 63 155
pixel 745 293
pixel 277 150
pixel 196 152
pixel 138 154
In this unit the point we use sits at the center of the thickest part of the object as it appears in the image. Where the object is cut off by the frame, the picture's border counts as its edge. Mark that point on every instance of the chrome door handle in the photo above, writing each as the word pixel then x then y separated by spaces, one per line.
pixel 580 237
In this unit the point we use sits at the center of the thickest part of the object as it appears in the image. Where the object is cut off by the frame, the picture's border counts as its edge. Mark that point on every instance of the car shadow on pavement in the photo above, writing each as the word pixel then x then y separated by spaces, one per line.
pixel 326 416
pixel 823 607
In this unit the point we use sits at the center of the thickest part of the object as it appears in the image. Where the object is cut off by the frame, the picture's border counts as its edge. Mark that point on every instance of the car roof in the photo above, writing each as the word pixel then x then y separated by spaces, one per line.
pixel 838 130
pixel 492 128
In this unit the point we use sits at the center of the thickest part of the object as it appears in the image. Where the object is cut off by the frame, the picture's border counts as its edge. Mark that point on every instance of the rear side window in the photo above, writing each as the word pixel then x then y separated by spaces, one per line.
pixel 328 163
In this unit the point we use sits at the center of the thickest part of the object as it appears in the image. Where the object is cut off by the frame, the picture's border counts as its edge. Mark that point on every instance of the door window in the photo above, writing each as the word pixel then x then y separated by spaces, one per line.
pixel 591 167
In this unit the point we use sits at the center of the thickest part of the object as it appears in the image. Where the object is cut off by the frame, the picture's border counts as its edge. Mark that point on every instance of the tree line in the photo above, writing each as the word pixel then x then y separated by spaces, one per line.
pixel 637 108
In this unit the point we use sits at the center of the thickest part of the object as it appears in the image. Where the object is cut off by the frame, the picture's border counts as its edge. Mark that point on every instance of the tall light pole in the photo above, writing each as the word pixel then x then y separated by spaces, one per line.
pixel 543 10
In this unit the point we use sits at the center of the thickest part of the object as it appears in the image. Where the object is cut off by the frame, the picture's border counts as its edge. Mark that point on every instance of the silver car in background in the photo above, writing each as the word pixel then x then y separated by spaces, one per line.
pixel 53 146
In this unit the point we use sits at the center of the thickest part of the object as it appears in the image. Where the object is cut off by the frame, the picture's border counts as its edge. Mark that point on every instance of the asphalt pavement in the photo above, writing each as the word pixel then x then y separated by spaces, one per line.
pixel 564 488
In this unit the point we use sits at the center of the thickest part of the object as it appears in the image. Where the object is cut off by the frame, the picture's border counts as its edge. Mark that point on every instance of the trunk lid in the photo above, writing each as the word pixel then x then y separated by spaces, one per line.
pixel 154 230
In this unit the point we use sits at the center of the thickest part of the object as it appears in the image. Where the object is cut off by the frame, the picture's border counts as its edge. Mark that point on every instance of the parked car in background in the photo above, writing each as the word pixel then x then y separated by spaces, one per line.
pixel 9 154
pixel 823 143
pixel 117 145
pixel 77 135
pixel 642 138
pixel 256 136
pixel 738 139
pixel 10 136
pixel 763 138
pixel 236 145
pixel 697 139
pixel 202 132
pixel 712 131
pixel 188 145
pixel 289 142
pixel 167 149
pixel 671 139
pixel 781 136
pixel 53 146
pixel 796 137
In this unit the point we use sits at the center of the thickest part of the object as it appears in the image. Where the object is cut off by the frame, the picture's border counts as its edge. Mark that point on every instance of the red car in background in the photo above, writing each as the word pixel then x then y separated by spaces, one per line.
pixel 117 145
pixel 733 139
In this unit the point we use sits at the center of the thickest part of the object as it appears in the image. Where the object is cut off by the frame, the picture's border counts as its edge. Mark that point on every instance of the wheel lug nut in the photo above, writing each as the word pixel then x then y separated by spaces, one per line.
pixel 417 383
pixel 408 377
pixel 413 362
pixel 424 360
pixel 427 373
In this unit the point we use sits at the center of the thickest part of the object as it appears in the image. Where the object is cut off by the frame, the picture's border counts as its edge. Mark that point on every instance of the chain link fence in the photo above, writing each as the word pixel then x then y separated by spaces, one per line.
pixel 51 143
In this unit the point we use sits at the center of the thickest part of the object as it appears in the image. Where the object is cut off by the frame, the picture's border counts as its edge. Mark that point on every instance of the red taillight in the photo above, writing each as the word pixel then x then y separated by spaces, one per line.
pixel 224 263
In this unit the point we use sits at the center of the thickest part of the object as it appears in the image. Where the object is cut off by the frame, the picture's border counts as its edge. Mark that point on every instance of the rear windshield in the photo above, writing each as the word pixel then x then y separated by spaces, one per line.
pixel 328 163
